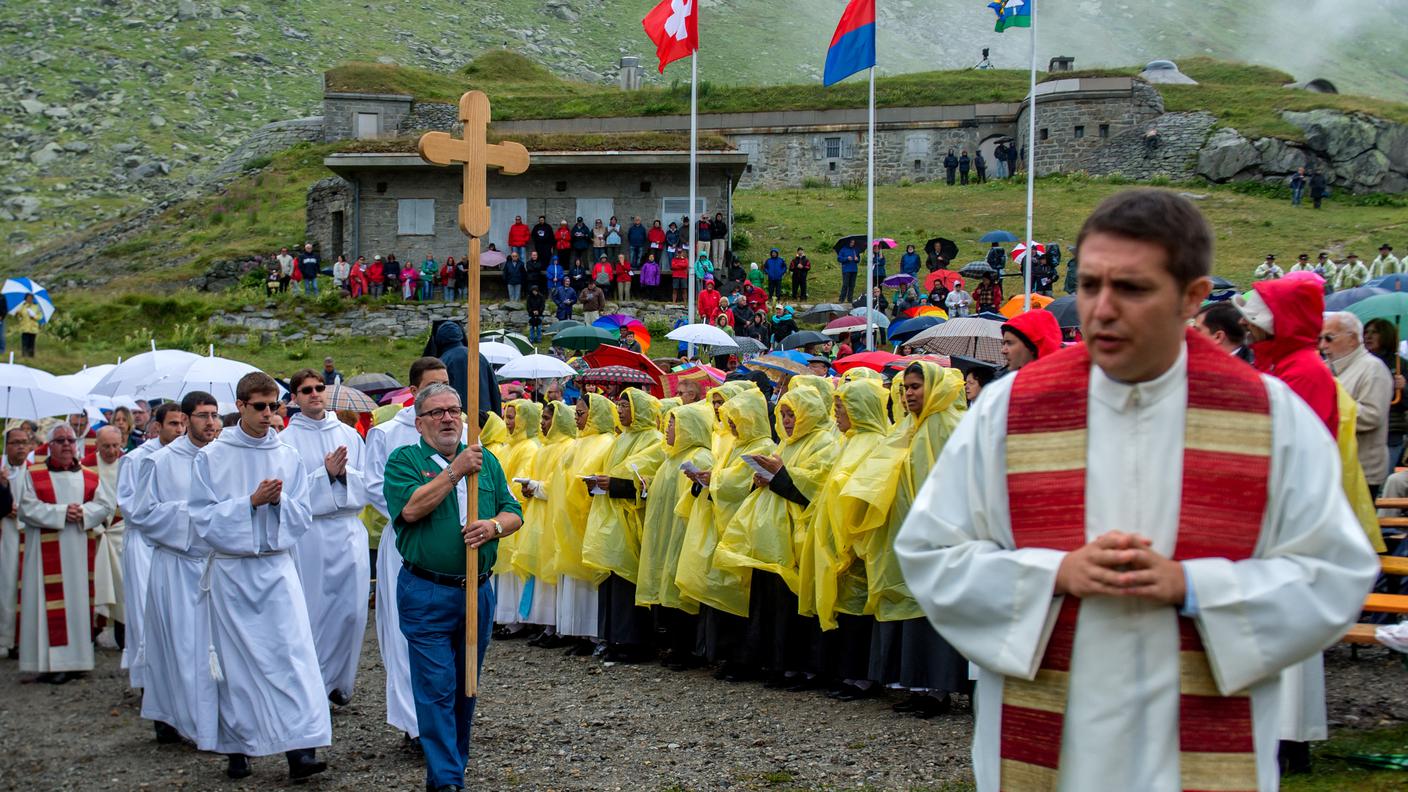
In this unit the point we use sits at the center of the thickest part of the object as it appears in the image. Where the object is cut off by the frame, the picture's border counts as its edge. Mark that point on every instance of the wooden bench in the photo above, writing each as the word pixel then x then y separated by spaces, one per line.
pixel 1363 634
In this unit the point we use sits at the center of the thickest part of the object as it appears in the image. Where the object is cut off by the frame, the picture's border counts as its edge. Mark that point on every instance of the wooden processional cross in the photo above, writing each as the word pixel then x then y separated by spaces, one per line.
pixel 476 156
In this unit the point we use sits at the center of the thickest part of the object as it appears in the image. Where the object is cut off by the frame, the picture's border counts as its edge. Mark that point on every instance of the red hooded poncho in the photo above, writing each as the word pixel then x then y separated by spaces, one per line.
pixel 1040 328
pixel 1291 355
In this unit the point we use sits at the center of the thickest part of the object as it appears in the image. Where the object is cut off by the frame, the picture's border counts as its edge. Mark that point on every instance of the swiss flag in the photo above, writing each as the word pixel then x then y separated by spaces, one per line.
pixel 674 27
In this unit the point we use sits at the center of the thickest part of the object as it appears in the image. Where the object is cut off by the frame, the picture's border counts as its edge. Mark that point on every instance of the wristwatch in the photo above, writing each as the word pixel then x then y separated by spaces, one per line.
pixel 498 528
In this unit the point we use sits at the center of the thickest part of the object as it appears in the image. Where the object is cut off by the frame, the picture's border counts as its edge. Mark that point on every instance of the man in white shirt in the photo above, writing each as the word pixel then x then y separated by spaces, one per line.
pixel 1369 382
pixel 1080 543
pixel 18 443
pixel 108 602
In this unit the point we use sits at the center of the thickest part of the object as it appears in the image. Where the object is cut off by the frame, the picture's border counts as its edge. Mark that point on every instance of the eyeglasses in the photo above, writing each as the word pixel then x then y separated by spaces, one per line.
pixel 308 389
pixel 440 413
pixel 260 407
pixel 62 441
pixel 206 416
pixel 1328 337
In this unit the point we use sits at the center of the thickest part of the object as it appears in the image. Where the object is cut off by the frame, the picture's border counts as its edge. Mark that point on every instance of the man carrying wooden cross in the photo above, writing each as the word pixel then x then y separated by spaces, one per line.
pixel 1132 537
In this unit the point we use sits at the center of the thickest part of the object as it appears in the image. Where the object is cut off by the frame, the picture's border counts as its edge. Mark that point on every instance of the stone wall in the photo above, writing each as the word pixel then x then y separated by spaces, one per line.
pixel 340 113
pixel 1181 137
pixel 791 159
pixel 1079 125
pixel 268 140
pixel 1356 153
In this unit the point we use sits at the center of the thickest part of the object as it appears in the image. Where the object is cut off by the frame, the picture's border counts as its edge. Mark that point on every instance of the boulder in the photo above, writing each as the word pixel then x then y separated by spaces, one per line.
pixel 58 111
pixel 45 154
pixel 185 9
pixel 24 207
pixel 1364 173
pixel 1337 135
pixel 1393 142
pixel 1226 155
pixel 1279 156
pixel 32 106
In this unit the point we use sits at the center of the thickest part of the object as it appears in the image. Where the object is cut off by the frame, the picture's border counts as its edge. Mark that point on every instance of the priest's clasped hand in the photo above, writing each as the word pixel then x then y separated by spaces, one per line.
pixel 268 491
pixel 74 513
pixel 336 462
pixel 1121 564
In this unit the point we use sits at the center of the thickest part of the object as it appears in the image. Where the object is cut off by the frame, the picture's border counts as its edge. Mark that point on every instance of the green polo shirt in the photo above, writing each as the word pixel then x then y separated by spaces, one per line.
pixel 435 542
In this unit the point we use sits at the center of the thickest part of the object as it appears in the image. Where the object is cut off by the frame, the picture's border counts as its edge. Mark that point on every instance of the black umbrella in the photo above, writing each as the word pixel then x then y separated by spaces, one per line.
pixel 967 364
pixel 1064 309
pixel 977 269
pixel 883 244
pixel 803 338
pixel 824 312
pixel 946 248
pixel 373 383
pixel 1219 283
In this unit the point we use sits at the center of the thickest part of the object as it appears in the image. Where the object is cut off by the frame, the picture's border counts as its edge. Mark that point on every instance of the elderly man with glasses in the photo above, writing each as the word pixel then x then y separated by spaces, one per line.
pixel 425 490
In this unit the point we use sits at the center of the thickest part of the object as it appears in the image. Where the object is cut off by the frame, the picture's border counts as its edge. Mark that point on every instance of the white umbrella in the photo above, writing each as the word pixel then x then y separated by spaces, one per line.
pixel 33 394
pixel 136 375
pixel 706 334
pixel 536 367
pixel 84 379
pixel 498 353
pixel 214 375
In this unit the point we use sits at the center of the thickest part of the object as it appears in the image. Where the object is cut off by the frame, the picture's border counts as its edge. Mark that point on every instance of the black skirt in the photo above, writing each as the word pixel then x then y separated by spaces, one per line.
pixel 845 651
pixel 780 639
pixel 725 637
pixel 619 621
pixel 911 654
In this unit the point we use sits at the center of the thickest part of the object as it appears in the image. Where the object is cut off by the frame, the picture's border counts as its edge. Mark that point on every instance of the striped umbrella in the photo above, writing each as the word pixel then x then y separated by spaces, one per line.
pixel 15 289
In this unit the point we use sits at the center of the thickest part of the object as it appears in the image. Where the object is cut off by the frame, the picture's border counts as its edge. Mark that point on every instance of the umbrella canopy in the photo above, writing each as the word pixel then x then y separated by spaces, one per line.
pixel 400 398
pixel 946 248
pixel 1341 300
pixel 700 333
pixel 373 383
pixel 214 375
pixel 499 353
pixel 1064 308
pixel 898 281
pixel 1392 306
pixel 979 338
pixel 80 383
pixel 846 324
pixel 616 375
pixel 609 355
pixel 950 279
pixel 623 325
pixel 536 367
pixel 562 325
pixel 1395 282
pixel 1016 305
pixel 926 310
pixel 747 345
pixel 343 397
pixel 780 363
pixel 33 394
pixel 967 364
pixel 870 360
pixel 999 236
pixel 133 376
pixel 884 243
pixel 491 258
pixel 977 269
pixel 901 331
pixel 582 338
pixel 824 312
pixel 518 341
pixel 1021 248
pixel 694 371
pixel 1220 283
pixel 803 338
pixel 15 289
pixel 878 319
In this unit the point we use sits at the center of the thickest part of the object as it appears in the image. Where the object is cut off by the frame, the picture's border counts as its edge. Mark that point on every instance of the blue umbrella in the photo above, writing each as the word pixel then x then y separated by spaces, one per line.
pixel 1395 282
pixel 1392 306
pixel 901 332
pixel 1341 300
pixel 16 288
pixel 1000 237
pixel 993 315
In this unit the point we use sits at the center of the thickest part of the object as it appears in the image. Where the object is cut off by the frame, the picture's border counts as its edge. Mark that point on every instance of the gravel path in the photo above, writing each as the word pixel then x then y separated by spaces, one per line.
pixel 552 722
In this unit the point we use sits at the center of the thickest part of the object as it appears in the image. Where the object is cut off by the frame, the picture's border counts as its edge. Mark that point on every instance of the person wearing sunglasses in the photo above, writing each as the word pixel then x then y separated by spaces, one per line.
pixel 332 558
pixel 249 501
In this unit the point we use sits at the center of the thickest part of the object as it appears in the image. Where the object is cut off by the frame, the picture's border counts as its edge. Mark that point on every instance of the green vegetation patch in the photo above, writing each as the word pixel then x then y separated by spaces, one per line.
pixel 630 141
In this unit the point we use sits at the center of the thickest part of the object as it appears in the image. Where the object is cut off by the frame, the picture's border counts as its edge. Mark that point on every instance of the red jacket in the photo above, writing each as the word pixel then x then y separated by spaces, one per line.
pixel 623 272
pixel 709 304
pixel 656 238
pixel 518 235
pixel 563 235
pixel 1297 310
pixel 679 267
pixel 1040 328
pixel 756 297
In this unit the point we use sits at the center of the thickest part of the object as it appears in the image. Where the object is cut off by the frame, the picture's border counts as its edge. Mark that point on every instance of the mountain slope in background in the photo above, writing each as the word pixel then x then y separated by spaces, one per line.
pixel 110 105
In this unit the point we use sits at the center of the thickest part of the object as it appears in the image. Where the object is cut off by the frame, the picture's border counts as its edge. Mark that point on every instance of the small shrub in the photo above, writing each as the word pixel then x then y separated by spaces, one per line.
pixel 814 183
pixel 743 217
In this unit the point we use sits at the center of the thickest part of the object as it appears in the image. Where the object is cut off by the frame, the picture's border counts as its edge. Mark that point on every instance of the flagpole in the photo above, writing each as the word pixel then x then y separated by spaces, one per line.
pixel 1031 167
pixel 693 182
pixel 870 220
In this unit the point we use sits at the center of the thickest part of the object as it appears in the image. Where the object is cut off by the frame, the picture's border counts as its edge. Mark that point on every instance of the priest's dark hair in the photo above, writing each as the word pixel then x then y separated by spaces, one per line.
pixel 166 408
pixel 1224 316
pixel 255 382
pixel 1159 217
pixel 297 378
pixel 422 365
pixel 193 401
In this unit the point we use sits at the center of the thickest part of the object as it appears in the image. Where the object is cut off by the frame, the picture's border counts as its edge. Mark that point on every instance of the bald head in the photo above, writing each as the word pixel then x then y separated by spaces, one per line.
pixel 110 444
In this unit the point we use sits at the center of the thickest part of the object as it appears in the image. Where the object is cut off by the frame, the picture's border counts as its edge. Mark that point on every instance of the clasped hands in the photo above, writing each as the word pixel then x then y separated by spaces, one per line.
pixel 1119 564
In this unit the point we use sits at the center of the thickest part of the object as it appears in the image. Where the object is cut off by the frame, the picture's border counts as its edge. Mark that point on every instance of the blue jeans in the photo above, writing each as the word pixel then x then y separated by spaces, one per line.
pixel 535 332
pixel 432 619
pixel 310 285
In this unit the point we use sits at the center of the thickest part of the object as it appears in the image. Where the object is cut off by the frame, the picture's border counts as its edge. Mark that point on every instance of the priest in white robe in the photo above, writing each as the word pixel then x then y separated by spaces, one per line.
pixel 19 441
pixel 137 551
pixel 179 696
pixel 1145 256
pixel 249 502
pixel 332 557
pixel 59 504
pixel 384 438
pixel 107 562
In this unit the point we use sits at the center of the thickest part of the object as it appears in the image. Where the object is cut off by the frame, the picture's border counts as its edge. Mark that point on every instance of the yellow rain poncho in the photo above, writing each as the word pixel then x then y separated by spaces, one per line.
pixel 822 385
pixel 831 580
pixel 569 499
pixel 666 405
pixel 612 541
pixel 723 439
pixel 1356 489
pixel 731 481
pixel 879 495
pixel 537 543
pixel 668 508
pixel 768 530
pixel 493 436
pixel 861 372
pixel 523 444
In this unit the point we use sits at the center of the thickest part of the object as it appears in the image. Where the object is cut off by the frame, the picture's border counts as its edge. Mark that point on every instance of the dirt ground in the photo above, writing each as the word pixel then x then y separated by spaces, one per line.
pixel 551 722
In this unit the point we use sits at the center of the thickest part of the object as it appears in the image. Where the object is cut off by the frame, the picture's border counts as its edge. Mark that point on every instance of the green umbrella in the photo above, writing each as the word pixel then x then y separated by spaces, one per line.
pixel 517 340
pixel 584 338
pixel 1392 306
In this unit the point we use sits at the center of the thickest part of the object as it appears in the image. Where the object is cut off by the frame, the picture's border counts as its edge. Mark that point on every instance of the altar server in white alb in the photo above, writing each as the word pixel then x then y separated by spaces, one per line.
pixel 108 601
pixel 179 695
pixel 249 502
pixel 136 551
pixel 1132 537
pixel 19 441
pixel 384 438
pixel 332 557
pixel 59 504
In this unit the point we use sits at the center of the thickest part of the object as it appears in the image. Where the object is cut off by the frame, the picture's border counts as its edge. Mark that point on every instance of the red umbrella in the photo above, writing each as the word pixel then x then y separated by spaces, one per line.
pixel 845 324
pixel 870 360
pixel 608 355
pixel 949 278
pixel 1021 248
pixel 902 362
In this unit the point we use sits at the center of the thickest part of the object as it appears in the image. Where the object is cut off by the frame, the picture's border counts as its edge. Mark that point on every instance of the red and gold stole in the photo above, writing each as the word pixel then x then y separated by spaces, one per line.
pixel 1226 461
pixel 51 560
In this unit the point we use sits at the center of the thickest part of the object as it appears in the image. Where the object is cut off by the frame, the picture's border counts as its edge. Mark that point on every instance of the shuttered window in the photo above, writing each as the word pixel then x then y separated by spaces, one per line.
pixel 415 216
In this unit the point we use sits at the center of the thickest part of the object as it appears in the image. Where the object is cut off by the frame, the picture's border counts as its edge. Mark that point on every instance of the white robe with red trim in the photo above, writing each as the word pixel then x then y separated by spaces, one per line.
pixel 108 599
pixel 1299 593
pixel 10 561
pixel 49 519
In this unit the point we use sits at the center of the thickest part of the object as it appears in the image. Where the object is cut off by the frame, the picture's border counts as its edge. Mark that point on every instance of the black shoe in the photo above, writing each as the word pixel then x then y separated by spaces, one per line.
pixel 450 788
pixel 1294 757
pixel 733 672
pixel 303 763
pixel 929 707
pixel 413 743
pixel 13 653
pixel 776 681
pixel 339 698
pixel 61 678
pixel 910 704
pixel 803 683
pixel 238 766
pixel 853 693
pixel 166 734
